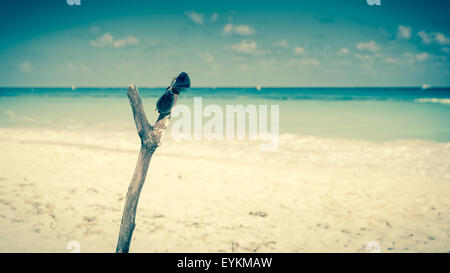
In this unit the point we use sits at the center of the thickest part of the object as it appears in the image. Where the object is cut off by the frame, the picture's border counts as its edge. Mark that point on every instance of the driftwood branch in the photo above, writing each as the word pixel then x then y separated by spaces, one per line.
pixel 150 138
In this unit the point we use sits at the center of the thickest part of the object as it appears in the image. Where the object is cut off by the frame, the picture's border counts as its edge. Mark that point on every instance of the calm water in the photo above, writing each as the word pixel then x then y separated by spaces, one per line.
pixel 377 114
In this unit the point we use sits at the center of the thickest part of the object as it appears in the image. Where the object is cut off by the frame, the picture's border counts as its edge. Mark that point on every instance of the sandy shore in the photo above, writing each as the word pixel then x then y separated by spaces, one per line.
pixel 309 196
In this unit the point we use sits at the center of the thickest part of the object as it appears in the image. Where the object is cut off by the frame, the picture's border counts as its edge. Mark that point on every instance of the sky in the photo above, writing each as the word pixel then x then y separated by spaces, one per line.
pixel 225 43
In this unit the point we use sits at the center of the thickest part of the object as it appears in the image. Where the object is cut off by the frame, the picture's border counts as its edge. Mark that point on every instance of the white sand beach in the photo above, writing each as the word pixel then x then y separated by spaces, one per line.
pixel 311 195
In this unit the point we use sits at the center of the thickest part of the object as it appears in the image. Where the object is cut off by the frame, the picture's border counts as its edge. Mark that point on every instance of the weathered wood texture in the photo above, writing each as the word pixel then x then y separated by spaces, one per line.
pixel 150 138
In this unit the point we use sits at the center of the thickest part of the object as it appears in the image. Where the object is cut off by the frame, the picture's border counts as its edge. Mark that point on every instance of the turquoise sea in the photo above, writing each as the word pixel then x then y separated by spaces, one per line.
pixel 374 114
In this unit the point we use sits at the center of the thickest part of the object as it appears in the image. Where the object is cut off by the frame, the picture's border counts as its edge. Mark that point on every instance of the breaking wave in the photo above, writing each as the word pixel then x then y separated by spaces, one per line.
pixel 434 100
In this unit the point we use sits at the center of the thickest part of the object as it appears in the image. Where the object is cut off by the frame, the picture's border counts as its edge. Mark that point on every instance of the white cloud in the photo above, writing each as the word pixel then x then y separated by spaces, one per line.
pixel 366 59
pixel 26 67
pixel 247 47
pixel 411 58
pixel 107 40
pixel 363 57
pixel 242 30
pixel 282 43
pixel 70 66
pixel 368 46
pixel 391 60
pixel 343 51
pixel 428 38
pixel 214 17
pixel 299 50
pixel 310 61
pixel 194 17
pixel 422 56
pixel 403 32
pixel 206 57
pixel 441 39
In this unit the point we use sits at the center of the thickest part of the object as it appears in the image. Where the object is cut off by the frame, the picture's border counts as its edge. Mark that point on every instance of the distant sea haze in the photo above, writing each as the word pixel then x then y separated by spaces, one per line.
pixel 371 114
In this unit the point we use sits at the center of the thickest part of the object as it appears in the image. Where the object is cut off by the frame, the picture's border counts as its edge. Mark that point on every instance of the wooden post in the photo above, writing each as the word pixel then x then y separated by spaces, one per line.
pixel 150 138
